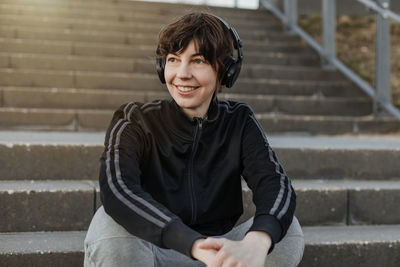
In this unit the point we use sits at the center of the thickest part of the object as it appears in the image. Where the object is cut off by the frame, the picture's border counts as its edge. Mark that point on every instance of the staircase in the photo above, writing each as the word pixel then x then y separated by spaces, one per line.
pixel 66 65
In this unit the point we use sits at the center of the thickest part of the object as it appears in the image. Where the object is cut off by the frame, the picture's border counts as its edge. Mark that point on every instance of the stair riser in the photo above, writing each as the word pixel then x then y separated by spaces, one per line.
pixel 79 80
pixel 94 121
pixel 114 18
pixel 329 255
pixel 366 254
pixel 60 259
pixel 104 80
pixel 144 8
pixel 43 162
pixel 112 37
pixel 281 88
pixel 101 64
pixel 111 101
pixel 46 211
pixel 35 210
pixel 326 125
pixel 340 163
pixel 291 74
pixel 249 86
pixel 104 50
pixel 93 100
pixel 321 164
pixel 86 24
pixel 340 206
pixel 308 106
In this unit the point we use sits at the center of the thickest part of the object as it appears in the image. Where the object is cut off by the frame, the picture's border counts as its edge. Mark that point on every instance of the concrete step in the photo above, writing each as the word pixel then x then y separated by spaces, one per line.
pixel 115 17
pixel 124 80
pixel 366 246
pixel 285 87
pixel 125 26
pixel 72 98
pixel 78 35
pixel 50 155
pixel 327 125
pixel 147 83
pixel 287 72
pixel 31 46
pixel 150 9
pixel 54 119
pixel 329 246
pixel 47 205
pixel 106 99
pixel 341 202
pixel 105 64
pixel 62 249
pixel 98 120
pixel 33 205
pixel 77 79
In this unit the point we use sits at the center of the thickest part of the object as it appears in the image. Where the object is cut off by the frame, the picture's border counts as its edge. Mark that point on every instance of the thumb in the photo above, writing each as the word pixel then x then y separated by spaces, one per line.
pixel 211 243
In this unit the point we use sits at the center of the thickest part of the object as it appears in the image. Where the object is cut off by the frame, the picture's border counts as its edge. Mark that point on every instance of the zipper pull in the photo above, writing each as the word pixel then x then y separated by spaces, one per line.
pixel 200 123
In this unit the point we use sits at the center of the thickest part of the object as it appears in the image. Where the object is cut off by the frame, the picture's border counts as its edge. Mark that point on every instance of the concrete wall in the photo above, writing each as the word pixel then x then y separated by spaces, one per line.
pixel 349 7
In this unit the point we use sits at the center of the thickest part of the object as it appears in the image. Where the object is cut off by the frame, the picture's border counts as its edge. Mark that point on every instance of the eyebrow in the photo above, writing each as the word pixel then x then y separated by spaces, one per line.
pixel 193 55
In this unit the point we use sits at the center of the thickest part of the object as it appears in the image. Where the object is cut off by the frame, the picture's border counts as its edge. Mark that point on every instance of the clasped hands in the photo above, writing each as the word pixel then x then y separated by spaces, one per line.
pixel 221 252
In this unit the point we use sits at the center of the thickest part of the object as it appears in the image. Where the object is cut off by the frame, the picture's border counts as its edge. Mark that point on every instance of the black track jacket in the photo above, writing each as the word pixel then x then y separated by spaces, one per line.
pixel 171 180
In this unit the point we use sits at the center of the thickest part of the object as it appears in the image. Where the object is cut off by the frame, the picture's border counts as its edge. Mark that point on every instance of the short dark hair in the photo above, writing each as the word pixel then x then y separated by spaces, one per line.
pixel 211 37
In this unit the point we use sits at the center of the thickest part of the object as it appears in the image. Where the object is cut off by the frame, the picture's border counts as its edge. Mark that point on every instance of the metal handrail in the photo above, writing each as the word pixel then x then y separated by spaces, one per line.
pixel 384 11
pixel 382 93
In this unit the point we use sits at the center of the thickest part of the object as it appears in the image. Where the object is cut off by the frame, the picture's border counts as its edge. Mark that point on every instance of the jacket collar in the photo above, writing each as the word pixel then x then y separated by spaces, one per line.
pixel 211 116
pixel 181 125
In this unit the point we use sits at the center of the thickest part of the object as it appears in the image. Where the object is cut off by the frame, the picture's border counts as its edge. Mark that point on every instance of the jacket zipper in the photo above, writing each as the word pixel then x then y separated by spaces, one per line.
pixel 196 138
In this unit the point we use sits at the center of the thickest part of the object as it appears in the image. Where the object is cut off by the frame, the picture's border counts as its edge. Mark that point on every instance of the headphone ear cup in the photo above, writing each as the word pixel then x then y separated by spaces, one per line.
pixel 235 70
pixel 232 69
pixel 160 67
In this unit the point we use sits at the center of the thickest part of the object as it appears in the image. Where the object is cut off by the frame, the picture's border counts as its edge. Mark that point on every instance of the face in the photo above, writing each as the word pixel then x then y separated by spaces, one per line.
pixel 191 81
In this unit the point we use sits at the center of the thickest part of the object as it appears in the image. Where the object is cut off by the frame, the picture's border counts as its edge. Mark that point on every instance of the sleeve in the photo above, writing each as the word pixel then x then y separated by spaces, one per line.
pixel 122 195
pixel 273 194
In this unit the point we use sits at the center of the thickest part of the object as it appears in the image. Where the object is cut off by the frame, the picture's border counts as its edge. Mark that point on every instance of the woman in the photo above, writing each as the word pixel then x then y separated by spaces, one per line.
pixel 170 174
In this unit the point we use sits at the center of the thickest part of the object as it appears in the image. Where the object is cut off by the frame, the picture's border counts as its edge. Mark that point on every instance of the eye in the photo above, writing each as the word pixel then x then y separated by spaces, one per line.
pixel 171 59
pixel 199 61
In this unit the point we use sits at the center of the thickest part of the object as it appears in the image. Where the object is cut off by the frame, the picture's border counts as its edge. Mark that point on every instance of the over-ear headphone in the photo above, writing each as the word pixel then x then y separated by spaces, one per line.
pixel 232 65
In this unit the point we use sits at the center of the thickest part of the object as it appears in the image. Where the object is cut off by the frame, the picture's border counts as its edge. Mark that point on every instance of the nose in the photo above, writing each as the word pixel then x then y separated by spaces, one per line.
pixel 184 71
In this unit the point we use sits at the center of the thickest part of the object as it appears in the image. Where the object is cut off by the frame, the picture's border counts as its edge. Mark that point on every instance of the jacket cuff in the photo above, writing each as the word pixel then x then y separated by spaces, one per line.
pixel 180 237
pixel 270 225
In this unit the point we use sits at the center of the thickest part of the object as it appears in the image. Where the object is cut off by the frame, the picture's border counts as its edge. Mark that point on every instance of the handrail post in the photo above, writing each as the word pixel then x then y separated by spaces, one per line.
pixel 290 10
pixel 328 33
pixel 382 60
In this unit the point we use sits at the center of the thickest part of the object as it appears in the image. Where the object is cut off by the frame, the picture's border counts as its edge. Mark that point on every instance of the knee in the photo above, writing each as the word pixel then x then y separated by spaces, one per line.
pixel 289 251
pixel 117 251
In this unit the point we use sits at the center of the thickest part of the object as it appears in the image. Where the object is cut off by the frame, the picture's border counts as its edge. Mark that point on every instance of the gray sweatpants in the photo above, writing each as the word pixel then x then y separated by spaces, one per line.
pixel 109 244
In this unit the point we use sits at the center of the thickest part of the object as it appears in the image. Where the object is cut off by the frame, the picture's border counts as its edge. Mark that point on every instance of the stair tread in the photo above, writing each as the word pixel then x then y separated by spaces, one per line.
pixel 370 142
pixel 14 186
pixel 41 242
pixel 46 242
pixel 300 185
pixel 243 96
pixel 351 234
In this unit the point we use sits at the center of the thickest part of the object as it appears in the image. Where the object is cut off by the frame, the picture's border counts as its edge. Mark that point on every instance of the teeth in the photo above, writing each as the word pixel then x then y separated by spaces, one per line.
pixel 186 89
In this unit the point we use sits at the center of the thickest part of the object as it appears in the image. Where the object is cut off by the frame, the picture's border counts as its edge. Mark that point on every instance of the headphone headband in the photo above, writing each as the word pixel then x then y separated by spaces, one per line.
pixel 232 65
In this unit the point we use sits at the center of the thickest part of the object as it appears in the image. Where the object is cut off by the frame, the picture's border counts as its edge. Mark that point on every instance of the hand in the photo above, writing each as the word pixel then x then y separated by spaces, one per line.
pixel 204 255
pixel 249 252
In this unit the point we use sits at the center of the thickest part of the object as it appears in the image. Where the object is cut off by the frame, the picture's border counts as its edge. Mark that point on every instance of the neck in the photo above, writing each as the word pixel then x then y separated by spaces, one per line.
pixel 191 113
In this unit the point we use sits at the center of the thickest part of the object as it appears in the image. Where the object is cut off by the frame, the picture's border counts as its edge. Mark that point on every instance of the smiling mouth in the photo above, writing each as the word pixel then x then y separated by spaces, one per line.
pixel 186 88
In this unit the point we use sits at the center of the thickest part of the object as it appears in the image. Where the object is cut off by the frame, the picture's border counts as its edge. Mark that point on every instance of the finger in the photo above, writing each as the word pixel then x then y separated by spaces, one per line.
pixel 229 262
pixel 211 243
pixel 220 258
